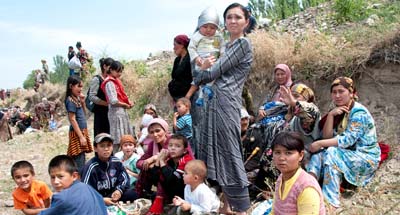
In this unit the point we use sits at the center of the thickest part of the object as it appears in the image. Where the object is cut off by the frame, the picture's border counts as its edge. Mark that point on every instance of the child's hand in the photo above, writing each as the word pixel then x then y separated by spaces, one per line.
pixel 177 201
pixel 198 61
pixel 176 115
pixel 83 141
pixel 116 195
pixel 108 201
pixel 163 154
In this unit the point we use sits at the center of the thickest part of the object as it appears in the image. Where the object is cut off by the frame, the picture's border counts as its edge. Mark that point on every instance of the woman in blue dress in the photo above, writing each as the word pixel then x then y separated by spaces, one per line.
pixel 349 146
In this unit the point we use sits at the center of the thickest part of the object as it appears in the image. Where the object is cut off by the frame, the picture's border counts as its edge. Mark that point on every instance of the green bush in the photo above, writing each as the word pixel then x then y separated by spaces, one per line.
pixel 350 10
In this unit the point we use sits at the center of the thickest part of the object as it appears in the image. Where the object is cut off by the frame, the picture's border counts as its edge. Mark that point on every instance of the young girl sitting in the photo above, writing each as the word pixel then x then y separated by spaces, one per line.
pixel 296 192
pixel 79 142
pixel 129 157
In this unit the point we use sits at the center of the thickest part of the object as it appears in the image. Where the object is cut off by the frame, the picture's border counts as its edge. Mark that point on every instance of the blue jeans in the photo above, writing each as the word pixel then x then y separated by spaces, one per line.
pixel 71 72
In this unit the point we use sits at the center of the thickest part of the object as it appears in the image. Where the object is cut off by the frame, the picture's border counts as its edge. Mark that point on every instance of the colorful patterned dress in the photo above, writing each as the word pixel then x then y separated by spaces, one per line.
pixel 356 157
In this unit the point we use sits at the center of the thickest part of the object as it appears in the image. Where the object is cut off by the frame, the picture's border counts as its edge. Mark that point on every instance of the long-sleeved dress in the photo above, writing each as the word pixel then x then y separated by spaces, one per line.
pixel 220 143
pixel 356 157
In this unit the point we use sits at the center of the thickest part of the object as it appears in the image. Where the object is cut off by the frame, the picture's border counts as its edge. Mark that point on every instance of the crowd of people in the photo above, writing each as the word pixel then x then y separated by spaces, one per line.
pixel 213 146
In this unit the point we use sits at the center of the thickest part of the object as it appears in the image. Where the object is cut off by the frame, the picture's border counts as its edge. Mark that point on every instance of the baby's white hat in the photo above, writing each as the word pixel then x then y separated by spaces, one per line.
pixel 209 15
pixel 146 119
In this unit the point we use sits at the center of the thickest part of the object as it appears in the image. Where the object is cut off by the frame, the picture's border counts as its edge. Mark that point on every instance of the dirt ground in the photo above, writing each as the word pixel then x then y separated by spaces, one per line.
pixel 379 90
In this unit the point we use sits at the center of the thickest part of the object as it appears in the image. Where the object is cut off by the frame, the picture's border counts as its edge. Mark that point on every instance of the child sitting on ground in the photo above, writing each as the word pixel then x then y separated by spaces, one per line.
pixel 73 197
pixel 205 42
pixel 172 162
pixel 31 196
pixel 199 198
pixel 129 157
pixel 296 192
pixel 106 174
pixel 182 119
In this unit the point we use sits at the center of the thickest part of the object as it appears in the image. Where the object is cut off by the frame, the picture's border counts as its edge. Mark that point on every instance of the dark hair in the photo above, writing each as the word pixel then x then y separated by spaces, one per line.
pixel 290 140
pixel 65 162
pixel 234 5
pixel 180 137
pixel 20 165
pixel 70 47
pixel 116 66
pixel 72 81
pixel 105 61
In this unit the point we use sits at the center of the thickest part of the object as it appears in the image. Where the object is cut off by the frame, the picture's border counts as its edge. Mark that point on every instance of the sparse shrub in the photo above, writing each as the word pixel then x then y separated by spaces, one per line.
pixel 350 10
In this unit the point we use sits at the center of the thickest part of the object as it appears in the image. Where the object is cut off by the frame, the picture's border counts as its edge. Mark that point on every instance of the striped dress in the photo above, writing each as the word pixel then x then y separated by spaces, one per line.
pixel 74 147
pixel 219 138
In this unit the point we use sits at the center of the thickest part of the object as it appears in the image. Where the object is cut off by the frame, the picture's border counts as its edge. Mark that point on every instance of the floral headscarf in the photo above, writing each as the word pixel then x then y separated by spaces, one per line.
pixel 303 90
pixel 347 83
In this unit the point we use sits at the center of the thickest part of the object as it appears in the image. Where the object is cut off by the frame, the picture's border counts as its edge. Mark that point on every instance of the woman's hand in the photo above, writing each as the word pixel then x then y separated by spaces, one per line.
pixel 261 114
pixel 148 162
pixel 163 155
pixel 339 110
pixel 199 61
pixel 208 62
pixel 286 96
pixel 315 146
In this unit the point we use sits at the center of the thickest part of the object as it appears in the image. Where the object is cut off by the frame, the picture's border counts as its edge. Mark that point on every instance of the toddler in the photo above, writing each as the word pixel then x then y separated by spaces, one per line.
pixel 129 157
pixel 182 119
pixel 73 197
pixel 199 199
pixel 30 196
pixel 205 42
pixel 144 140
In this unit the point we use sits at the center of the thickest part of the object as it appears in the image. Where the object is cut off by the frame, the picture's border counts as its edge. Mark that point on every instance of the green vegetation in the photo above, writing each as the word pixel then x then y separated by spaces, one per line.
pixel 350 10
pixel 29 81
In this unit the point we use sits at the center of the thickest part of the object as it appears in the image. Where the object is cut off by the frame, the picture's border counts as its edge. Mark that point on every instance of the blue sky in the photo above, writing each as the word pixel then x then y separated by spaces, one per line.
pixel 123 29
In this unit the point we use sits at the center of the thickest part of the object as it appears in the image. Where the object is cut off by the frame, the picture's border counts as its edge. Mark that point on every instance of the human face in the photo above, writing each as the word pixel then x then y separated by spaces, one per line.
pixel 150 112
pixel 179 49
pixel 244 124
pixel 104 150
pixel 298 96
pixel 286 161
pixel 23 177
pixel 76 89
pixel 182 108
pixel 341 96
pixel 128 148
pixel 188 177
pixel 61 179
pixel 176 148
pixel 235 22
pixel 208 30
pixel 157 133
pixel 115 73
pixel 280 77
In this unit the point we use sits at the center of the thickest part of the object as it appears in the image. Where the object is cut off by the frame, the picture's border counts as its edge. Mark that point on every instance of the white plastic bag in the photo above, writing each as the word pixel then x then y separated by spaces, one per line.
pixel 74 63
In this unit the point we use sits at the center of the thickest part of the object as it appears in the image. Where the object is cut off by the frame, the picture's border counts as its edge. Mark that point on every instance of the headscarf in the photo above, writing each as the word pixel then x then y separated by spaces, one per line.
pixel 347 83
pixel 182 40
pixel 287 71
pixel 288 83
pixel 151 107
pixel 303 90
pixel 161 122
pixel 127 138
pixel 208 16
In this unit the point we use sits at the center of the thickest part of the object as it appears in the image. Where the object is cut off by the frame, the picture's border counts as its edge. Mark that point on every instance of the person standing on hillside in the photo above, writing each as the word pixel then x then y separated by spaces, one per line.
pixel 118 104
pixel 71 54
pixel 97 96
pixel 181 71
pixel 45 67
pixel 83 57
pixel 220 143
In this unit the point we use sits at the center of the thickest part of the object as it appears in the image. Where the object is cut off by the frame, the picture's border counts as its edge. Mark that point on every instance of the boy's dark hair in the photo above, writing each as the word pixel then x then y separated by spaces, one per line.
pixel 65 162
pixel 180 137
pixel 197 167
pixel 290 140
pixel 20 165
pixel 185 102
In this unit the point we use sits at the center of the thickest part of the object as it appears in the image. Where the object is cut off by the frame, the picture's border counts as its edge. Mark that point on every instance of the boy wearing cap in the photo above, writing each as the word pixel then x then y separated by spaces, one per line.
pixel 106 174
pixel 205 42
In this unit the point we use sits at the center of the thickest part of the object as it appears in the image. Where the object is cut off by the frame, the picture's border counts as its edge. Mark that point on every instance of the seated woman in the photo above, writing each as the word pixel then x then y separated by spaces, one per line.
pixel 303 116
pixel 349 147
